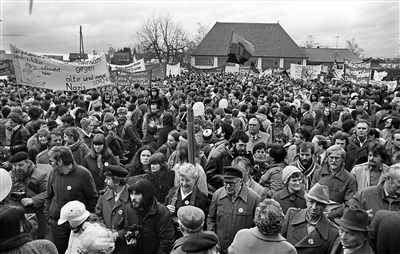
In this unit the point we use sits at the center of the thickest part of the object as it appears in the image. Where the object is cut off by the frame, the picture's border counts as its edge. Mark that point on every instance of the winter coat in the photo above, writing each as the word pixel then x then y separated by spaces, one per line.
pixel 284 199
pixel 157 233
pixel 23 244
pixel 272 180
pixel 79 151
pixel 19 139
pixel 357 151
pixel 91 164
pixel 113 214
pixel 163 134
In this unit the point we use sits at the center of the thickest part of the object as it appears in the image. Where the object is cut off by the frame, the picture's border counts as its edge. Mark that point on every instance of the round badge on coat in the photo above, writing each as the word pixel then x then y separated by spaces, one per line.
pixel 69 187
pixel 120 212
pixel 311 241
pixel 186 202
pixel 240 210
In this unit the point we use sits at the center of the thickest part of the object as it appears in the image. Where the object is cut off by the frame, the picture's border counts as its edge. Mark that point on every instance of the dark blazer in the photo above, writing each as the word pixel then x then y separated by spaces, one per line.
pixel 113 215
pixel 19 139
pixel 386 234
pixel 320 240
pixel 338 248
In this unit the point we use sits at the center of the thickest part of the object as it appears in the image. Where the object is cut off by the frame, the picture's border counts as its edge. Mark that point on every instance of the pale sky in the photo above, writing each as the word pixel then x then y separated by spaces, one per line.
pixel 53 26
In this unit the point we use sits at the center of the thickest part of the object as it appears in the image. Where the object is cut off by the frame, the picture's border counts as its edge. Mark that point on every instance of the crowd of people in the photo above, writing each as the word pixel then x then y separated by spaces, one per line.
pixel 281 166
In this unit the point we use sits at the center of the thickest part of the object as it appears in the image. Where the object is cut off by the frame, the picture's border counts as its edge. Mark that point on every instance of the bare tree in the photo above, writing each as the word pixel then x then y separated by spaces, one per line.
pixel 202 31
pixel 309 42
pixel 353 46
pixel 163 37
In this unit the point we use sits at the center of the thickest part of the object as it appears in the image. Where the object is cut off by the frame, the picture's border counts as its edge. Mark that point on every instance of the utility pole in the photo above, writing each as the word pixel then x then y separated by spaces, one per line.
pixel 81 48
pixel 337 38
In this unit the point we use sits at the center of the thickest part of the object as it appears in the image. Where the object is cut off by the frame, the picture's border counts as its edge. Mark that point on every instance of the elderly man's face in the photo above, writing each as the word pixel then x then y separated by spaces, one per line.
pixel 232 186
pixel 362 129
pixel 314 208
pixel 351 238
pixel 335 160
pixel 253 126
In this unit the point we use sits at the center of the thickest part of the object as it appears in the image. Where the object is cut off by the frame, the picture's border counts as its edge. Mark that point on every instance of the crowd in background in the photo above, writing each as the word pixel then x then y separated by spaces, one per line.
pixel 281 166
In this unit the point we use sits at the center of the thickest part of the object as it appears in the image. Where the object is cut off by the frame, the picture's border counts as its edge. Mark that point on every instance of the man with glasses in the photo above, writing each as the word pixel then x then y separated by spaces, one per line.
pixel 342 185
pixel 232 207
pixel 255 135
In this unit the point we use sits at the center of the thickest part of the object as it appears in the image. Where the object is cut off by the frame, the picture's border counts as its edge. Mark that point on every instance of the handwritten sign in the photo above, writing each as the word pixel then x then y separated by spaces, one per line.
pixel 44 72
pixel 5 68
pixel 306 72
pixel 133 67
pixel 124 78
pixel 358 73
pixel 173 69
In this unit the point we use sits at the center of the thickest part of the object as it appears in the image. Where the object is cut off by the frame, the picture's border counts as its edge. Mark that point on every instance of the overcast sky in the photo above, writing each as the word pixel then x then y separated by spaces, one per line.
pixel 53 26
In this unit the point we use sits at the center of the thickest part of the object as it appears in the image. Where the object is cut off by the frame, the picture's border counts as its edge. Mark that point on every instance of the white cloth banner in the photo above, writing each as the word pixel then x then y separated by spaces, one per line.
pixel 391 85
pixel 44 72
pixel 298 71
pixel 378 76
pixel 173 69
pixel 133 67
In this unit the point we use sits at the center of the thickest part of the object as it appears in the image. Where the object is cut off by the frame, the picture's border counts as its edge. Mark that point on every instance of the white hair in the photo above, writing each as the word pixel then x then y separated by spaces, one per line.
pixel 97 238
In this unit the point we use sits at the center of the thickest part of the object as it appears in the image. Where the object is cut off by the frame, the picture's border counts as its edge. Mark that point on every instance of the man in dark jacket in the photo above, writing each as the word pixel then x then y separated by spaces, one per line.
pixel 149 138
pixel 29 185
pixel 67 181
pixel 308 230
pixel 19 134
pixel 149 219
pixel 223 157
pixel 359 142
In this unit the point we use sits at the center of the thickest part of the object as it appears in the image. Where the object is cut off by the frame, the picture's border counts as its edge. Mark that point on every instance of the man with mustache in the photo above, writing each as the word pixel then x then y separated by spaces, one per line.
pixel 306 163
pixel 342 185
pixel 223 157
pixel 309 230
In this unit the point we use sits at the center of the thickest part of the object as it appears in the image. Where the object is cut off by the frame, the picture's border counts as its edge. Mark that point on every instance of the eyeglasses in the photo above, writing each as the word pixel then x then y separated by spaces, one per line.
pixel 334 158
pixel 231 183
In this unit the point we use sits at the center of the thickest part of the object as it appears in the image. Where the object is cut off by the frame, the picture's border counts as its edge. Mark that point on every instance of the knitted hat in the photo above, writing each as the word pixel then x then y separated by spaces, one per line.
pixel 288 171
pixel 85 123
pixel 108 117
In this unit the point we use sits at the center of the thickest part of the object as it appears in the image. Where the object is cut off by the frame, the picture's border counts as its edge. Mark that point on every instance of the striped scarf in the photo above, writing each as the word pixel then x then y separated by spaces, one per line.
pixel 307 172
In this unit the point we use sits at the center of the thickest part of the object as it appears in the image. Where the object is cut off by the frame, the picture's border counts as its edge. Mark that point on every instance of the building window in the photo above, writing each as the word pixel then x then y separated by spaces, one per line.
pixel 299 62
pixel 210 61
pixel 276 63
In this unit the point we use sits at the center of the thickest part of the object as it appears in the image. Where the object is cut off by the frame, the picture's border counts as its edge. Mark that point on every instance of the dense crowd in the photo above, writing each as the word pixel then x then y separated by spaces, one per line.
pixel 281 166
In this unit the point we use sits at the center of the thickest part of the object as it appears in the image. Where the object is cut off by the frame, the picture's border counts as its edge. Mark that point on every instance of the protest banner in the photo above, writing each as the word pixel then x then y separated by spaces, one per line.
pixel 219 69
pixel 391 85
pixel 378 76
pixel 298 71
pixel 5 68
pixel 358 73
pixel 133 67
pixel 125 78
pixel 173 69
pixel 44 72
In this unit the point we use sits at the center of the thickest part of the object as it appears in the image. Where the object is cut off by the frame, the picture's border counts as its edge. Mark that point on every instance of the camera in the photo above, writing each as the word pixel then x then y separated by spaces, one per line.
pixel 17 195
pixel 134 232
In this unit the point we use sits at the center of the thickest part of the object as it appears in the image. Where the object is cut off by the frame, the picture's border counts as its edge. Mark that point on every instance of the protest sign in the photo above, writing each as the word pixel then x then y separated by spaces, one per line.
pixel 391 85
pixel 298 71
pixel 133 67
pixel 378 76
pixel 219 69
pixel 125 78
pixel 5 68
pixel 44 72
pixel 358 73
pixel 173 69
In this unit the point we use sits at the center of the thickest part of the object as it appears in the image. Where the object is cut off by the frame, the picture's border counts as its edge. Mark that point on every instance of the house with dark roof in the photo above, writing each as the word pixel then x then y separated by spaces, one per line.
pixel 327 56
pixel 273 47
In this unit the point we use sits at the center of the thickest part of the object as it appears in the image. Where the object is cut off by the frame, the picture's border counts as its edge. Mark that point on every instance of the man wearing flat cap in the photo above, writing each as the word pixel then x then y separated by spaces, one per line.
pixel 353 233
pixel 235 205
pixel 191 220
pixel 308 230
pixel 29 188
pixel 112 205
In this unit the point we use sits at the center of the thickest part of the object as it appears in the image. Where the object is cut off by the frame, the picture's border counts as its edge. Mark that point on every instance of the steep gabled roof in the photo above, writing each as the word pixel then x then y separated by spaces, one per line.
pixel 269 40
pixel 328 55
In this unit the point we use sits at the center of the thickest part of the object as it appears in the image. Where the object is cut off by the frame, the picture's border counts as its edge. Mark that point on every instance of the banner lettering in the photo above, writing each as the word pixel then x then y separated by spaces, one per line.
pixel 44 72
pixel 133 67
pixel 358 73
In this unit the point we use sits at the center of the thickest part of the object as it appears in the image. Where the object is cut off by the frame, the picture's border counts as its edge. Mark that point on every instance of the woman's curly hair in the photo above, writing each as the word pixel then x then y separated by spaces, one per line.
pixel 269 217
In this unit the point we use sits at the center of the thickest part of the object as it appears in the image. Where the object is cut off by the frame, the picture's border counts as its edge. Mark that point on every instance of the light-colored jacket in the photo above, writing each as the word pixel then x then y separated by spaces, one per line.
pixel 362 173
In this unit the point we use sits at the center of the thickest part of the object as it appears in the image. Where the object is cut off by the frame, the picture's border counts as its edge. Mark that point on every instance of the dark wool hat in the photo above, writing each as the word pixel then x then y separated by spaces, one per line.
pixel 200 244
pixel 114 170
pixel 228 111
pixel 227 128
pixel 20 156
pixel 52 124
pixel 243 107
pixel 108 117
pixel 386 106
pixel 207 100
pixel 230 172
